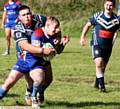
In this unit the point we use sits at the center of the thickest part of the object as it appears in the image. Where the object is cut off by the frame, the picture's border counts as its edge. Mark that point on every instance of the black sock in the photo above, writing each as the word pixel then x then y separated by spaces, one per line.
pixel 101 82
pixel 29 90
pixel 97 83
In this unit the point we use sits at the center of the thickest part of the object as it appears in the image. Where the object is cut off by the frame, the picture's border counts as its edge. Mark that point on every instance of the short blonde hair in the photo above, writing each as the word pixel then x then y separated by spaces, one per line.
pixel 53 19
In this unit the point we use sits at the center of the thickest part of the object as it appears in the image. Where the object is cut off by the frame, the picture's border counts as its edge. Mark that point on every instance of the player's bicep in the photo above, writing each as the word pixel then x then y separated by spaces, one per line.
pixel 88 24
pixel 18 36
pixel 24 44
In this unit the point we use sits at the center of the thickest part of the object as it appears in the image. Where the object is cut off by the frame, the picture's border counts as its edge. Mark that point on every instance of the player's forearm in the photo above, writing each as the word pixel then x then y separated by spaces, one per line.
pixel 30 48
pixel 60 48
pixel 34 50
pixel 85 30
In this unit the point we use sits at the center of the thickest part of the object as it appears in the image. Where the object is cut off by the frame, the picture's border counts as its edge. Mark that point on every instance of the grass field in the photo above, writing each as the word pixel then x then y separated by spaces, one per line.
pixel 72 87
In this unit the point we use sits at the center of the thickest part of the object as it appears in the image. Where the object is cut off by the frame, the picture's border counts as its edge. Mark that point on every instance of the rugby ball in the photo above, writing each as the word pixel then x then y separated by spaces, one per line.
pixel 50 57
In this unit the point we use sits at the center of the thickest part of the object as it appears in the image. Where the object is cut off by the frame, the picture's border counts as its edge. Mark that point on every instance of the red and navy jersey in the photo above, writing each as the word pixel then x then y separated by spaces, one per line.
pixel 38 38
pixel 104 28
pixel 12 10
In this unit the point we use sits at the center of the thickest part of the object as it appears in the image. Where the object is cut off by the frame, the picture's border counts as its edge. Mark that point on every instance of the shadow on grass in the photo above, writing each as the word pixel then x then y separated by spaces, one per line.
pixel 71 52
pixel 12 95
pixel 80 104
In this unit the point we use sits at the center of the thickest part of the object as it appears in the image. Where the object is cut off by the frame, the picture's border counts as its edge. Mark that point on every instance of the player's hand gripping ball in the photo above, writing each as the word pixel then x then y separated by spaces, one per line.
pixel 50 57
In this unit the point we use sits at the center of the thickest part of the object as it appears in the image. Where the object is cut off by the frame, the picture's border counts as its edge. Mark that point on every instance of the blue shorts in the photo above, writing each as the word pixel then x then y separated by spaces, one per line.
pixel 25 67
pixel 10 24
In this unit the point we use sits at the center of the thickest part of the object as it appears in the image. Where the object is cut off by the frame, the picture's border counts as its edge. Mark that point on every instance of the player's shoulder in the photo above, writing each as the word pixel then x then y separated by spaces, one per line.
pixel 18 2
pixel 6 4
pixel 38 32
pixel 97 14
pixel 115 15
pixel 40 18
pixel 19 27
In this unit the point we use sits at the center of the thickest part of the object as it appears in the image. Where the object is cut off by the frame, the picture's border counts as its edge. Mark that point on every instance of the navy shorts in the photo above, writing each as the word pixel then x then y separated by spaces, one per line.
pixel 104 52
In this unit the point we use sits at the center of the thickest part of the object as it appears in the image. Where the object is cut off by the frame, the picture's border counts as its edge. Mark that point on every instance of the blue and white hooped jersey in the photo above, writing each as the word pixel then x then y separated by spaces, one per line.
pixel 12 10
pixel 104 28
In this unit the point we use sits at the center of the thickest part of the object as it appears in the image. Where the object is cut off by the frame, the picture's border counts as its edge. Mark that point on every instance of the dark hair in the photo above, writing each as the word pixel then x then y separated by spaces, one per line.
pixel 24 7
pixel 113 1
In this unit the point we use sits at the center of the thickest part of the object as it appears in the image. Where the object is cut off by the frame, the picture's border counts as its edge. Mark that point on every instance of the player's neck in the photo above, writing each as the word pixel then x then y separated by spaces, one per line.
pixel 108 15
pixel 11 2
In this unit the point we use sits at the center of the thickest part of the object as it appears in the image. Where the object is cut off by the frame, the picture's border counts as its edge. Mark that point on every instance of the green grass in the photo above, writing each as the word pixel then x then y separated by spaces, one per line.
pixel 74 75
pixel 74 70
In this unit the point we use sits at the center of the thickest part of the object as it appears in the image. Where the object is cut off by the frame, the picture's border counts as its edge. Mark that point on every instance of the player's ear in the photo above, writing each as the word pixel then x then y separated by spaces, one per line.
pixel 47 24
pixel 31 12
pixel 19 17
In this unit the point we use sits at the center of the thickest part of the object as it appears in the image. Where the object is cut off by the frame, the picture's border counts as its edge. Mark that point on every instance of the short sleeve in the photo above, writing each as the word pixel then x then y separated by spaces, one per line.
pixel 93 19
pixel 18 36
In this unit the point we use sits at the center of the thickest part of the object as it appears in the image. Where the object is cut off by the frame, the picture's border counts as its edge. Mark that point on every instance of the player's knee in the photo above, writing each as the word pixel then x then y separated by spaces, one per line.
pixel 39 81
pixel 99 64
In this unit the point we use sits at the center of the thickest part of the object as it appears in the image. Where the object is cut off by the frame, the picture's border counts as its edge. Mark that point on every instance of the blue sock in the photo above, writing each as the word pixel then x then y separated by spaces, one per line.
pixel 35 90
pixel 2 92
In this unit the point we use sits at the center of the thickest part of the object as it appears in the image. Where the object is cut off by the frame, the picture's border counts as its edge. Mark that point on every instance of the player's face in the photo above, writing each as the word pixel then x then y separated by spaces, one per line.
pixel 26 17
pixel 11 0
pixel 52 29
pixel 108 7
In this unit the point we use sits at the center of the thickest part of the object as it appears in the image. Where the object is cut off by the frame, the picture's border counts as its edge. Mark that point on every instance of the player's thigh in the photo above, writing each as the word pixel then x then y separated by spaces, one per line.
pixel 8 32
pixel 12 33
pixel 15 75
pixel 37 74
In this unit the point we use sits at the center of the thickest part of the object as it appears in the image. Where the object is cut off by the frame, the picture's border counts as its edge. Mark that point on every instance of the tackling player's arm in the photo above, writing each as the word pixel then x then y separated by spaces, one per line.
pixel 24 44
pixel 21 39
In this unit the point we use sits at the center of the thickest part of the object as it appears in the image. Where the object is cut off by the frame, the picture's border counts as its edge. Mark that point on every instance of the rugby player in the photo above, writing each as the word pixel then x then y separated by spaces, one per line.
pixel 105 25
pixel 22 33
pixel 23 39
pixel 34 64
pixel 9 20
